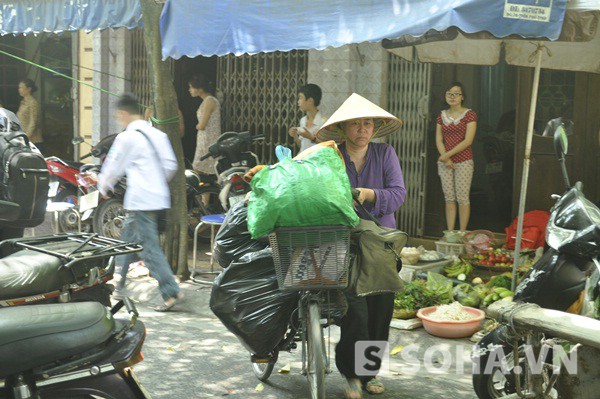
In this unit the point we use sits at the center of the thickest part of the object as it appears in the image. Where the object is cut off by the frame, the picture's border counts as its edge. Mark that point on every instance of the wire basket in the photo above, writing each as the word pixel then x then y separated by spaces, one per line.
pixel 315 257
pixel 477 241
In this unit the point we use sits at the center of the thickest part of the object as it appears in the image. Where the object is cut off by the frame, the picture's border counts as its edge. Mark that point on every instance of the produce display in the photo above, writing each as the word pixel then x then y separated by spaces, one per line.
pixel 468 281
pixel 494 257
pixel 460 269
pixel 412 255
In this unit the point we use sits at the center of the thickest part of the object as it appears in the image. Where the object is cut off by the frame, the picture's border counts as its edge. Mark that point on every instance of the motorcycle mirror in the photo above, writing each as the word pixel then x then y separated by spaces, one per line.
pixel 9 211
pixel 77 140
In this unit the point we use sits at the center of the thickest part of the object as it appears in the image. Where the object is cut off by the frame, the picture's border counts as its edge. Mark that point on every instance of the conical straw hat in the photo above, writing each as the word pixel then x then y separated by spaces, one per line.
pixel 355 107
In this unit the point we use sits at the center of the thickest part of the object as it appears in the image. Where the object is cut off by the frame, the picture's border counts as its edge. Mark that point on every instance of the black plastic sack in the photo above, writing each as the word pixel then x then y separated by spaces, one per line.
pixel 247 300
pixel 233 239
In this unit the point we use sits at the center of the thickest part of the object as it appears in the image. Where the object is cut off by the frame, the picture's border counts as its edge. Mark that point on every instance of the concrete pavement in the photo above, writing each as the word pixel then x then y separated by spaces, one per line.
pixel 190 354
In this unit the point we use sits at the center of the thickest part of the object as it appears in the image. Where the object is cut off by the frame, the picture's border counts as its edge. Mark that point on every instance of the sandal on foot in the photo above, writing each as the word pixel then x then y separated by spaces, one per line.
pixel 354 390
pixel 165 307
pixel 374 387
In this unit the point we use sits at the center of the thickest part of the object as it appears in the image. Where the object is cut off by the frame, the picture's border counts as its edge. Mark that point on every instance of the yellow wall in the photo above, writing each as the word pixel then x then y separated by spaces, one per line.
pixel 86 74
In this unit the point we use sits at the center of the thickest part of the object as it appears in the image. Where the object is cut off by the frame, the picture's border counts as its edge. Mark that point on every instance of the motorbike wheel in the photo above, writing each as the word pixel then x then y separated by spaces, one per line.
pixel 492 383
pixel 109 217
pixel 67 220
pixel 199 206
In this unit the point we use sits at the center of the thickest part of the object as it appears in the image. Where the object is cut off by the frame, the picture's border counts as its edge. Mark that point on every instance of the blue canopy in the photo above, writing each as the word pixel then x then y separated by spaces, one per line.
pixel 35 16
pixel 193 27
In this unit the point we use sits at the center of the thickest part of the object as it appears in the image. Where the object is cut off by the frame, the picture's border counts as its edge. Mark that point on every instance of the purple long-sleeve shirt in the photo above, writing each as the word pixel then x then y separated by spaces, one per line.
pixel 381 172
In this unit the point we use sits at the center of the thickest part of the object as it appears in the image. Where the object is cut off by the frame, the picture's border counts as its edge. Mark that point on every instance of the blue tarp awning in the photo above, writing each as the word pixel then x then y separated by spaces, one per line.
pixel 192 27
pixel 35 16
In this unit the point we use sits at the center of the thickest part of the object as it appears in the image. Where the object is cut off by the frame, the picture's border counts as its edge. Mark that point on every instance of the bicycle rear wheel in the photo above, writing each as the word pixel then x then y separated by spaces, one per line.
pixel 316 353
pixel 263 370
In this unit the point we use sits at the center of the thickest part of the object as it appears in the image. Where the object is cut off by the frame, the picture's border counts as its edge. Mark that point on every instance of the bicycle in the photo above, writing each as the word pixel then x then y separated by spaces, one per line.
pixel 313 260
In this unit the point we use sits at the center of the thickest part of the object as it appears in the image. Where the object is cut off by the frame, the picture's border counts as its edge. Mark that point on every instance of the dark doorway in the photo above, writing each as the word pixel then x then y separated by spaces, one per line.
pixel 11 71
pixel 185 68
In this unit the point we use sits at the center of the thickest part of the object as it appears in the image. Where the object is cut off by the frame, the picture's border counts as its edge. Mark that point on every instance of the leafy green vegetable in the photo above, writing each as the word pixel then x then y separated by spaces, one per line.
pixel 416 296
pixel 500 281
pixel 440 286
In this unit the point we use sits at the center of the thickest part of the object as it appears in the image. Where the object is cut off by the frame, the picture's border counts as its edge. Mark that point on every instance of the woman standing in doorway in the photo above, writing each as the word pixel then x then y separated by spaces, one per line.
pixel 29 113
pixel 209 121
pixel 454 135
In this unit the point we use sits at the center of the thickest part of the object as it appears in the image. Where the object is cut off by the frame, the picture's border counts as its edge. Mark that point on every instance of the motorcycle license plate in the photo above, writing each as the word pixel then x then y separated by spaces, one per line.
pixel 234 200
pixel 53 189
pixel 89 201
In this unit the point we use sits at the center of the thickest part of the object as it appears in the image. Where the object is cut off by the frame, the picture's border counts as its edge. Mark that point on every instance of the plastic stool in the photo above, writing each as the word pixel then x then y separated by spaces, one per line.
pixel 212 221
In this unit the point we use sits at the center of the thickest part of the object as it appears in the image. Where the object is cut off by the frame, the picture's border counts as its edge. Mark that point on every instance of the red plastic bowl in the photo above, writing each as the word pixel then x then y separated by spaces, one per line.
pixel 451 329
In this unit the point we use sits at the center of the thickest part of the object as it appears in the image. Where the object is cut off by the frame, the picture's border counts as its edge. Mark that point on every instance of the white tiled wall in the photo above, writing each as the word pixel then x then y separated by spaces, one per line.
pixel 359 68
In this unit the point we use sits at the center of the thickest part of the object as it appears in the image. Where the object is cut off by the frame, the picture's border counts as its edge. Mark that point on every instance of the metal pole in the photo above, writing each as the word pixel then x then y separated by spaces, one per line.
pixel 526 162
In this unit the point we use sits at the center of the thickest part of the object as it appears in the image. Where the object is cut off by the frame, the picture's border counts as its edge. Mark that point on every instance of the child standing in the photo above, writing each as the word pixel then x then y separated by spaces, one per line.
pixel 309 98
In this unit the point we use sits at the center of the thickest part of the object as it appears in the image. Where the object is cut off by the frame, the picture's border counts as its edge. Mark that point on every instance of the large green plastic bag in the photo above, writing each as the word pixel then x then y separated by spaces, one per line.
pixel 312 192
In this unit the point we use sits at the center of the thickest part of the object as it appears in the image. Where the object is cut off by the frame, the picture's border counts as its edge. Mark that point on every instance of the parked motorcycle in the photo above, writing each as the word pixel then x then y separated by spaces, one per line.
pixel 213 194
pixel 565 278
pixel 63 188
pixel 57 268
pixel 105 214
pixel 64 350
pixel 70 350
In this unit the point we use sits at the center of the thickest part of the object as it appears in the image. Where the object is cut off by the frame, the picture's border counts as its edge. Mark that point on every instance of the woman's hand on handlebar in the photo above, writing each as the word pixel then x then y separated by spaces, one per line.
pixel 364 194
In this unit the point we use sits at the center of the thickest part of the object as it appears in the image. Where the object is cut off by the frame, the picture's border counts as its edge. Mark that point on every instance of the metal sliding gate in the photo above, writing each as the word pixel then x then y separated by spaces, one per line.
pixel 260 95
pixel 409 85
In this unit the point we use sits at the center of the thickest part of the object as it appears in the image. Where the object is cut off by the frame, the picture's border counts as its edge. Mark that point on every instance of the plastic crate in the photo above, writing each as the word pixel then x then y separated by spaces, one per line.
pixel 315 257
pixel 449 249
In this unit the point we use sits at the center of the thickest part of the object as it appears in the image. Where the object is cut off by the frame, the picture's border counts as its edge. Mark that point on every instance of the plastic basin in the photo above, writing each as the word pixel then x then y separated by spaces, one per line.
pixel 451 329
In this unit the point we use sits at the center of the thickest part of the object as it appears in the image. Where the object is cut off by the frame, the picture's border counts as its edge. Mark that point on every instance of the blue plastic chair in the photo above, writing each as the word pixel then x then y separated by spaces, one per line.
pixel 212 221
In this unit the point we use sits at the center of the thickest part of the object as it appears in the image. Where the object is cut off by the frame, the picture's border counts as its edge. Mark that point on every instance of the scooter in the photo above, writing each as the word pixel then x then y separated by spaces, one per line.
pixel 565 278
pixel 214 194
pixel 57 268
pixel 105 214
pixel 64 350
pixel 70 350
pixel 65 183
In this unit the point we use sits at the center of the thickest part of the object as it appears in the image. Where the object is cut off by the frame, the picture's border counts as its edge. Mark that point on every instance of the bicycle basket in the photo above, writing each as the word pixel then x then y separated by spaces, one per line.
pixel 315 257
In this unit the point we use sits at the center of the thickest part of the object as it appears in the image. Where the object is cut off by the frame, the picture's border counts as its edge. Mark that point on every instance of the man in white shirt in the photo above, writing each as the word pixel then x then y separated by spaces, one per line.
pixel 143 154
pixel 309 98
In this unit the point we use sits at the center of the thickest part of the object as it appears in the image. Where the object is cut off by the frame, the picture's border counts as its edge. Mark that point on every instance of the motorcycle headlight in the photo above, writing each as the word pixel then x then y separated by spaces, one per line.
pixel 557 236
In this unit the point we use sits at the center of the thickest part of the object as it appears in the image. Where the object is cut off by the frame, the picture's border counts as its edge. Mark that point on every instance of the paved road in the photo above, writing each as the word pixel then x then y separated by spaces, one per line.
pixel 190 354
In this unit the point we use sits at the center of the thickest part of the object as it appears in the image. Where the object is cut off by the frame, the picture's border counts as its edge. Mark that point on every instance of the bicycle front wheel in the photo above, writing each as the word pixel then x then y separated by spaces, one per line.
pixel 316 353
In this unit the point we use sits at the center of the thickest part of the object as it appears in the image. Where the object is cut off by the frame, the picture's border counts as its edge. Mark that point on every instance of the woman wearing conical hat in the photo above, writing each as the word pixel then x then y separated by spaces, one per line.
pixel 373 169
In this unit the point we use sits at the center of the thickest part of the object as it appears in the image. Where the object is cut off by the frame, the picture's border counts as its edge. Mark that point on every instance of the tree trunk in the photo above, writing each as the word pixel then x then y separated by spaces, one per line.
pixel 165 101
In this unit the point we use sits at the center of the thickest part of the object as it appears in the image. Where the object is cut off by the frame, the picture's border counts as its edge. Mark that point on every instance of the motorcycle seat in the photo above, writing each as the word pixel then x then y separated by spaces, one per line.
pixel 36 335
pixel 74 164
pixel 26 273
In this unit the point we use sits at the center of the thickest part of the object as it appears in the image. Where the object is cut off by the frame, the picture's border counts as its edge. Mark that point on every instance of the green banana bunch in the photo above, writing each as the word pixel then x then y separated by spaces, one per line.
pixel 459 268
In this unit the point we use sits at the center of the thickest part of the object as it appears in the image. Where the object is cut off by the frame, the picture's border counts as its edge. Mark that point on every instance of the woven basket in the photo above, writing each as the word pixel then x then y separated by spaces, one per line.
pixel 475 248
